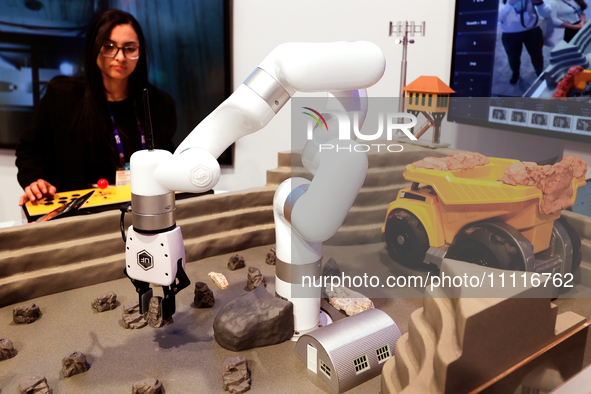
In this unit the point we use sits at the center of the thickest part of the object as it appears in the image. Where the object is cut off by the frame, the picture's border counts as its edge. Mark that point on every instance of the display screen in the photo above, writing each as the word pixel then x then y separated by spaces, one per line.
pixel 500 63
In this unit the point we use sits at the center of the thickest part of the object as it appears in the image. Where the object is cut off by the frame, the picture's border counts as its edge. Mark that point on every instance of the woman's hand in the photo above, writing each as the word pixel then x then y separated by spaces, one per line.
pixel 36 191
pixel 577 26
pixel 582 22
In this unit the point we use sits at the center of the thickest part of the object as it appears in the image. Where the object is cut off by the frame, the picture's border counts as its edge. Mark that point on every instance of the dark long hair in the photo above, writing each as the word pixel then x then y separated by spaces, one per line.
pixel 582 4
pixel 95 123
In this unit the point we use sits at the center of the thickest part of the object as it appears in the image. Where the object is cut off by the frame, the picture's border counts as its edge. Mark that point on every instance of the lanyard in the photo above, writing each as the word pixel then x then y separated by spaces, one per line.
pixel 523 10
pixel 118 136
pixel 578 12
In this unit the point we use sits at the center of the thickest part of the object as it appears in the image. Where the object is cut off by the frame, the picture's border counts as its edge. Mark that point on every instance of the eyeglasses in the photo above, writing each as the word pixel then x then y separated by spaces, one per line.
pixel 111 50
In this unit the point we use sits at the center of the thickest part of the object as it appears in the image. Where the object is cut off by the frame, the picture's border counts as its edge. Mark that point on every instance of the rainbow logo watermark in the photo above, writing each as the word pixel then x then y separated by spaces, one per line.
pixel 315 118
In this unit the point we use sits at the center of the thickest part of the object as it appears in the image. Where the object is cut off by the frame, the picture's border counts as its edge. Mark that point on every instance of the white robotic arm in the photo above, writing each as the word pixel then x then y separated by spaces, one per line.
pixel 291 67
pixel 156 174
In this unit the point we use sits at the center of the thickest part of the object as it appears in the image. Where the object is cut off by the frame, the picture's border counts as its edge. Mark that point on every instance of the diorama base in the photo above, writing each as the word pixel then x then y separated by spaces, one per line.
pixel 183 355
pixel 63 266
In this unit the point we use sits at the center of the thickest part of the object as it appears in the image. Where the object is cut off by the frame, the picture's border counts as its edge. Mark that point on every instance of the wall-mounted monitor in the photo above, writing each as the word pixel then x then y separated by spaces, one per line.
pixel 507 62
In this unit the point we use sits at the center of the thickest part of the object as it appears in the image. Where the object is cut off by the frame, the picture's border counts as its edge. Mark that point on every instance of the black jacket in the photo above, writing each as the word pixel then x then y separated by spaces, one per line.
pixel 52 147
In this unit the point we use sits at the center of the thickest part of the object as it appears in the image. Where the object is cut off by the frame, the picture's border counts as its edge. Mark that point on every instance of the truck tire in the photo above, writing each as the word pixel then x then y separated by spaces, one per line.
pixel 474 252
pixel 406 238
pixel 491 245
pixel 576 242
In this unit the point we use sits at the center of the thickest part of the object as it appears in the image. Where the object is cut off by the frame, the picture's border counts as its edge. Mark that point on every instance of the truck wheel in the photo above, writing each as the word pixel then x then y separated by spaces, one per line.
pixel 475 253
pixel 406 238
pixel 495 245
pixel 575 240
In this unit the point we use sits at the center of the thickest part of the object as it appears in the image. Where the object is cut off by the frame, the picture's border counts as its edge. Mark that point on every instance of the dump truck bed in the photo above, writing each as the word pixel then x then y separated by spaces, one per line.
pixel 479 185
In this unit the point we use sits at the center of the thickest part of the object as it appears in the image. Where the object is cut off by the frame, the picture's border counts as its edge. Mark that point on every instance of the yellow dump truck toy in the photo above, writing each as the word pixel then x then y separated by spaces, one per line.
pixel 470 215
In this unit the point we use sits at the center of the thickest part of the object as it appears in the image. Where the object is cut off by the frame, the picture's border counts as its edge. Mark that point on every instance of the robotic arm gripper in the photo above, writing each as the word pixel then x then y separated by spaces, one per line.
pixel 154 245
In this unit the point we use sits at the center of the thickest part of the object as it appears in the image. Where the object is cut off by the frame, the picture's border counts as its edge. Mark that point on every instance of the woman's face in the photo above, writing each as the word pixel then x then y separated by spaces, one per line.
pixel 118 67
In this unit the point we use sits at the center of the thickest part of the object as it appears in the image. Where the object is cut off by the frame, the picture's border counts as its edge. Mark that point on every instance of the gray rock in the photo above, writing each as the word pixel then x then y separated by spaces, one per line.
pixel 236 262
pixel 132 318
pixel 27 313
pixel 105 302
pixel 272 256
pixel 73 364
pixel 6 349
pixel 253 320
pixel 236 377
pixel 34 385
pixel 331 268
pixel 254 278
pixel 148 386
pixel 155 314
pixel 203 296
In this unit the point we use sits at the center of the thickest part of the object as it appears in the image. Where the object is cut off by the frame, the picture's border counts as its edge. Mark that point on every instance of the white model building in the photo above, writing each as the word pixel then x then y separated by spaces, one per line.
pixel 350 351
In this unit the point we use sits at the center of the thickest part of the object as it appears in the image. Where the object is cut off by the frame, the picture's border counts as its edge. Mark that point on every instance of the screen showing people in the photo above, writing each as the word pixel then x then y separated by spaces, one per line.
pixel 503 51
pixel 527 31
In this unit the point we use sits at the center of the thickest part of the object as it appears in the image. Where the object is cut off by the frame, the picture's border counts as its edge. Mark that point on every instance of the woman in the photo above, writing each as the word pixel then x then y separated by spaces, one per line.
pixel 569 14
pixel 86 129
pixel 520 23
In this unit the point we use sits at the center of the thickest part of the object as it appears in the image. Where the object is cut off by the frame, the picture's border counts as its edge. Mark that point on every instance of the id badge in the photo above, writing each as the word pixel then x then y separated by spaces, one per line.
pixel 122 177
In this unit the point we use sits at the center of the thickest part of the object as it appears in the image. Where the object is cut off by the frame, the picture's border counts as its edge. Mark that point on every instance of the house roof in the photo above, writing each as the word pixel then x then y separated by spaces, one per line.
pixel 426 84
pixel 346 331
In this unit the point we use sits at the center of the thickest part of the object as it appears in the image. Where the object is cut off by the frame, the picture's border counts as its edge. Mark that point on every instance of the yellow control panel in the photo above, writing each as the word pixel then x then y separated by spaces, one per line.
pixel 100 198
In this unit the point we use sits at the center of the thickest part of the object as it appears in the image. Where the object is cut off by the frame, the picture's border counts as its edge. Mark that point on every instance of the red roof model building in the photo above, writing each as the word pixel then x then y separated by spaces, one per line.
pixel 426 84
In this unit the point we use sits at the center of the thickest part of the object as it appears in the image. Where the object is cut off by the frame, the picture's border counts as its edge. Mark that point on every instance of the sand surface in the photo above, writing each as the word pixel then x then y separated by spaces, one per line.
pixel 184 355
